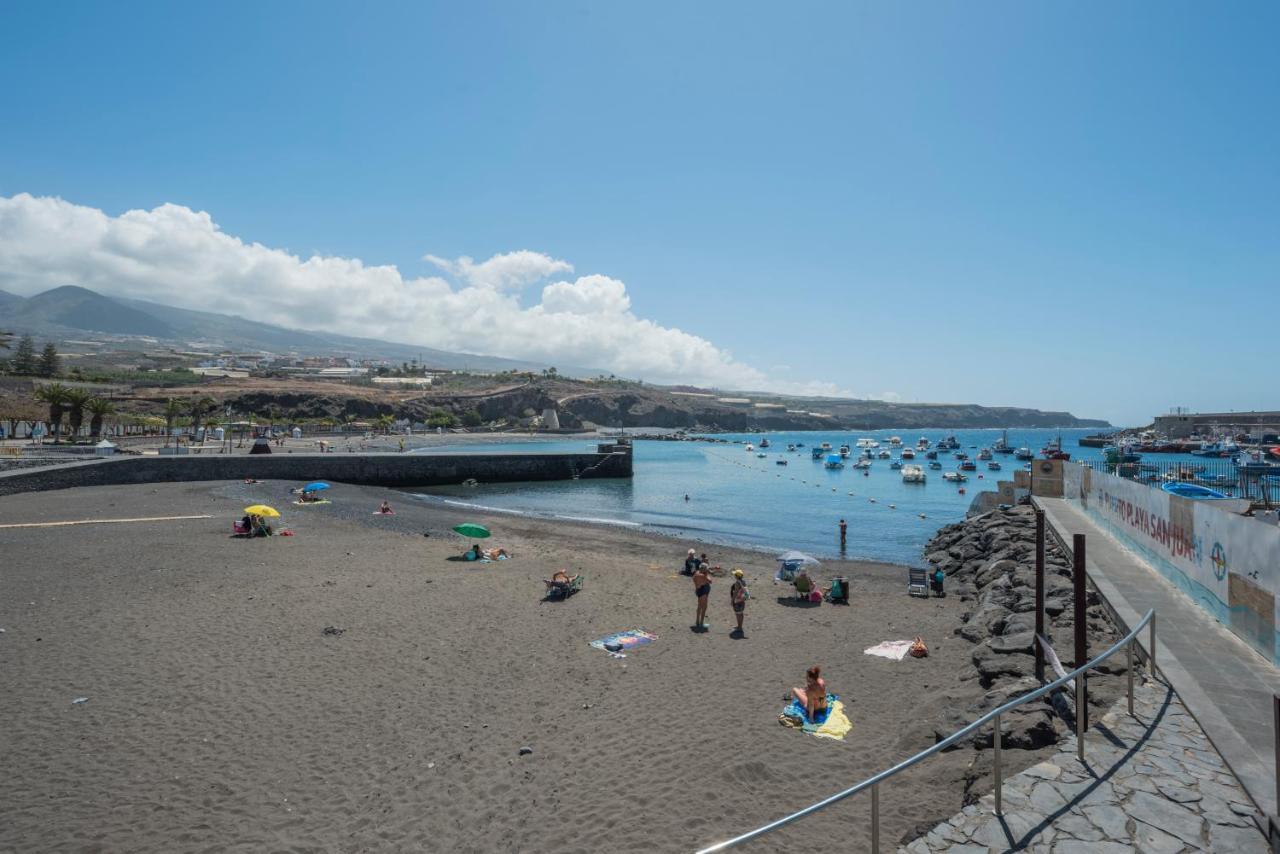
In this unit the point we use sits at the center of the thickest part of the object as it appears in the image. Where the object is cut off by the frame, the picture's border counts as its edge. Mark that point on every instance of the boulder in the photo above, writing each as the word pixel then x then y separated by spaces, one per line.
pixel 1007 644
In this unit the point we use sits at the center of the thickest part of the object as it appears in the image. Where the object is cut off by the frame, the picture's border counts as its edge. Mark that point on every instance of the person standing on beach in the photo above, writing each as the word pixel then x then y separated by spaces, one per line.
pixel 738 599
pixel 702 590
pixel 844 534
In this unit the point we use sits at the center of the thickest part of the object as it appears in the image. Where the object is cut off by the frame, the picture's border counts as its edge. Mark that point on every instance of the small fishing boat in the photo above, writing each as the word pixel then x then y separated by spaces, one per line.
pixel 908 454
pixel 750 447
pixel 949 443
pixel 934 464
pixel 895 440
pixel 1001 445
pixel 862 463
pixel 884 454
pixel 779 462
pixel 791 447
pixel 1023 454
pixel 1053 450
pixel 1217 449
pixel 922 443
pixel 764 443
pixel 895 465
pixel 954 476
pixel 867 443
pixel 968 465
pixel 1191 490
pixel 913 474
pixel 985 454
pixel 932 455
pixel 962 456
pixel 844 450
pixel 993 466
pixel 815 453
pixel 834 461
pixel 761 456
pixel 826 446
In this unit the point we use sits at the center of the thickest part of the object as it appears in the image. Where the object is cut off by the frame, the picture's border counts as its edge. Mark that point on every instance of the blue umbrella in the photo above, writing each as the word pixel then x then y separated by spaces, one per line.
pixel 315 487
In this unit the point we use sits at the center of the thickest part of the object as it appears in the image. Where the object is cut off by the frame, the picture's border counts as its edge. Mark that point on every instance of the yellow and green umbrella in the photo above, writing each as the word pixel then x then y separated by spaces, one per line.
pixel 262 510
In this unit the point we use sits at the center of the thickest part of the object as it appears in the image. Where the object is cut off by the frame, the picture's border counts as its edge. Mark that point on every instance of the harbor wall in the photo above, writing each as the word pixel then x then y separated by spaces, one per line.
pixel 1226 563
pixel 394 470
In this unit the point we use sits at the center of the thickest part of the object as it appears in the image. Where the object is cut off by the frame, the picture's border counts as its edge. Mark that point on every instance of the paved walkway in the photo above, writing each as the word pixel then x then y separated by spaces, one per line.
pixel 1224 684
pixel 1149 783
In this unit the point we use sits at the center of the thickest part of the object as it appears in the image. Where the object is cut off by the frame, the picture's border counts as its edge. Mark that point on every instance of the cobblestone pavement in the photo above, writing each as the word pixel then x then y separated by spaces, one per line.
pixel 1152 783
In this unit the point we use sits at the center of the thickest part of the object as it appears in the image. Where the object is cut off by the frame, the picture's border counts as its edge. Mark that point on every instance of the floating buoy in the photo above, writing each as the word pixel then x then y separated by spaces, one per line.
pixel 962 490
pixel 833 489
pixel 851 493
pixel 922 516
pixel 872 500
pixel 893 506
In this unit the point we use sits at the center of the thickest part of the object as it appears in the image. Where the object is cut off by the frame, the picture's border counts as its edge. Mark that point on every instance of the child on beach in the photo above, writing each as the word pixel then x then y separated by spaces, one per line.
pixel 385 509
pixel 702 590
pixel 738 598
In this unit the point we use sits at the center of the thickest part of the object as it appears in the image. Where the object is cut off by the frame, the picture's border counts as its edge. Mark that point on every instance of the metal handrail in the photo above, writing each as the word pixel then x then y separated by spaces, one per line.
pixel 873 782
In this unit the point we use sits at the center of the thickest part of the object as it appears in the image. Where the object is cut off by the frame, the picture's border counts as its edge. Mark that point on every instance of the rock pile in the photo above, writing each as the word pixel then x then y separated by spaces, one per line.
pixel 990 564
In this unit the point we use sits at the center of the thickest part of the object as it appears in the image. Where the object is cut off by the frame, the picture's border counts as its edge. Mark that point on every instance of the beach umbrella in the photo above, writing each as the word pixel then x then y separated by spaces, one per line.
pixel 797 557
pixel 316 487
pixel 262 510
pixel 474 532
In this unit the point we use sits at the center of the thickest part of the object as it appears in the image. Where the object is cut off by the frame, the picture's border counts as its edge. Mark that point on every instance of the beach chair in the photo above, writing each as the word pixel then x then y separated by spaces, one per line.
pixel 563 589
pixel 839 591
pixel 239 528
pixel 917 583
pixel 804 586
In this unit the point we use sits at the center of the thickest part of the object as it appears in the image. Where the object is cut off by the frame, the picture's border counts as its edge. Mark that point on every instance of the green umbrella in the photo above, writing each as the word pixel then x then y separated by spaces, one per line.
pixel 474 532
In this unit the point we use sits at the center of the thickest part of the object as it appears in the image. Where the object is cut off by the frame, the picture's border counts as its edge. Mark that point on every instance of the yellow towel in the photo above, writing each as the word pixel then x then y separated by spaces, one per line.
pixel 836 726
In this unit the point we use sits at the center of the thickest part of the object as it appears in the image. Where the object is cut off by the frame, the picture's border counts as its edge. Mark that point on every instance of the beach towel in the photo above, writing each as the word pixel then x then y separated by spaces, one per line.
pixel 893 650
pixel 312 503
pixel 833 723
pixel 623 640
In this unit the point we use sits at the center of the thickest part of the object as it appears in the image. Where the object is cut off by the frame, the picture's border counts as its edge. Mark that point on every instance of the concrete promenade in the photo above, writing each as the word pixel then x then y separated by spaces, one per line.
pixel 1225 685
pixel 1149 783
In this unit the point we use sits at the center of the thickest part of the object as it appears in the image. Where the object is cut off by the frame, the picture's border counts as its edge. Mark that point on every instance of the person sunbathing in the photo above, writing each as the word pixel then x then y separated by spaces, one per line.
pixel 813 696
pixel 386 510
pixel 560 577
pixel 475 553
pixel 496 554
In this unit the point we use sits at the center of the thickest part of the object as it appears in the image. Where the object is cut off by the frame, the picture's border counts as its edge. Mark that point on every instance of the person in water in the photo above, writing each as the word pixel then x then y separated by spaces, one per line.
pixel 813 696
pixel 702 590
pixel 738 598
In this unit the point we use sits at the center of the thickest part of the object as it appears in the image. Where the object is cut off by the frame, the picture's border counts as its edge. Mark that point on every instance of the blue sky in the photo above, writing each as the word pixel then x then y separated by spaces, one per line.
pixel 1068 206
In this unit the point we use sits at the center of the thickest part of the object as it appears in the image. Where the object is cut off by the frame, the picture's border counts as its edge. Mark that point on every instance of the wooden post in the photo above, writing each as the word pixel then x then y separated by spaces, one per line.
pixel 1039 593
pixel 1082 644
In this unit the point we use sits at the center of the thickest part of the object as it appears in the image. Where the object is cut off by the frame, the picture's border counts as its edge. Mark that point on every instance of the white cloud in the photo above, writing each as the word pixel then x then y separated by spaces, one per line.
pixel 178 256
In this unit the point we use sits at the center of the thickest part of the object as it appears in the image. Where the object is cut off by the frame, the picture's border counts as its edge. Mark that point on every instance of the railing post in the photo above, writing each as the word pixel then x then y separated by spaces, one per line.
pixel 1081 624
pixel 1275 706
pixel 875 818
pixel 1039 593
pixel 999 771
pixel 1128 654
pixel 1151 657
pixel 1080 711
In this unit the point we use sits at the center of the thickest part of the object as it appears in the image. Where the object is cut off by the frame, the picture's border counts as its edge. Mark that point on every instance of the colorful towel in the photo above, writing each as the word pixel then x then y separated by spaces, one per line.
pixel 312 503
pixel 628 639
pixel 893 650
pixel 832 723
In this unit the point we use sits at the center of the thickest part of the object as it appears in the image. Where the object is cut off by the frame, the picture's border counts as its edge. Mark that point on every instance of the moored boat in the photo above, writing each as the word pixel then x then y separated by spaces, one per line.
pixel 834 461
pixel 985 454
pixel 968 465
pixel 913 474
pixel 908 454
pixel 1001 445
pixel 993 466
pixel 1023 454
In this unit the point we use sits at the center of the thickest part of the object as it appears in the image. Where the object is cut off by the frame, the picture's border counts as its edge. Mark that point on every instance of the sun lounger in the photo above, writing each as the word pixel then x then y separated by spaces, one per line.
pixel 917 583
pixel 563 589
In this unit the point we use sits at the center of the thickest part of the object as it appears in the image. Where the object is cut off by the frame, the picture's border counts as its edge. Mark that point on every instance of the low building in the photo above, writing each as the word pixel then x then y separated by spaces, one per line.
pixel 1181 424
pixel 420 382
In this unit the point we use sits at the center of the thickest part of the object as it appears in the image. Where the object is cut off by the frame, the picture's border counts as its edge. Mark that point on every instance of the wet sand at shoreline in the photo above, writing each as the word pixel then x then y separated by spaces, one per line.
pixel 220 716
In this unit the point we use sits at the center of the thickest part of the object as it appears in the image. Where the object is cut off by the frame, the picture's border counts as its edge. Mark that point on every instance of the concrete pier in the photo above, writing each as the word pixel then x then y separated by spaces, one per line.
pixel 379 469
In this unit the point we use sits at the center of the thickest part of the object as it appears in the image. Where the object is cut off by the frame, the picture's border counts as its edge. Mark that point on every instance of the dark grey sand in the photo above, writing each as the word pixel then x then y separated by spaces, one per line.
pixel 220 716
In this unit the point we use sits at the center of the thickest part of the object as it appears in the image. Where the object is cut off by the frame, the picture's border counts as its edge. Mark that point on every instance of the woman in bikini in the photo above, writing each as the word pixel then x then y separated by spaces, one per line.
pixel 813 696
pixel 701 589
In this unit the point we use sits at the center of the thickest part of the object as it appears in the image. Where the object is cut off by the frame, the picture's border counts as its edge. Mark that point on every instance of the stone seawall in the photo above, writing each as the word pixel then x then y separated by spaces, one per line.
pixel 397 470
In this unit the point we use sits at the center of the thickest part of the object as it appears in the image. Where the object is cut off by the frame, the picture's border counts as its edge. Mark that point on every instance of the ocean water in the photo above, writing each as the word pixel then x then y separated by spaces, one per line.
pixel 738 499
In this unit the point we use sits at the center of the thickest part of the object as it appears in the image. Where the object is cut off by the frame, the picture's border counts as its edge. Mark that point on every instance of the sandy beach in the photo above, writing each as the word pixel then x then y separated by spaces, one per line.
pixel 221 716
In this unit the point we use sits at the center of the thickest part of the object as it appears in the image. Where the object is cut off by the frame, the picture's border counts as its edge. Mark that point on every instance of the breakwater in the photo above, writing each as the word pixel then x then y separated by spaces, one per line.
pixel 393 470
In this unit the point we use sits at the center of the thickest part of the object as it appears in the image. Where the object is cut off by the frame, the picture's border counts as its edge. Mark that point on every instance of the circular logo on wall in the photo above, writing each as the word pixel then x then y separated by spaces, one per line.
pixel 1219 558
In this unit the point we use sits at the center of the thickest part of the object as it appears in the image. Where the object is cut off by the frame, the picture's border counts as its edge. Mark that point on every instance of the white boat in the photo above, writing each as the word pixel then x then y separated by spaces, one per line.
pixel 922 443
pixel 895 440
pixel 844 450
pixel 867 443
pixel 913 474
pixel 908 454
pixel 826 446
pixel 884 454
pixel 762 456
pixel 750 447
pixel 985 454
pixel 954 476
pixel 862 463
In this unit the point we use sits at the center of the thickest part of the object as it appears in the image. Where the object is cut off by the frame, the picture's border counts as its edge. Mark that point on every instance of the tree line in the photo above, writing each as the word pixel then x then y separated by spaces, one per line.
pixel 26 362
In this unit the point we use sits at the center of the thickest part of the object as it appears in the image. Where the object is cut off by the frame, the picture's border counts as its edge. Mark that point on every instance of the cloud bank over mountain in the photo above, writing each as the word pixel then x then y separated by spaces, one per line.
pixel 172 254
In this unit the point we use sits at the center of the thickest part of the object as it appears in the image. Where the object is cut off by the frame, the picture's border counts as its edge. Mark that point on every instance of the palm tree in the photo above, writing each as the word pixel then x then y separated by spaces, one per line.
pixel 55 395
pixel 172 409
pixel 77 399
pixel 200 407
pixel 385 423
pixel 99 408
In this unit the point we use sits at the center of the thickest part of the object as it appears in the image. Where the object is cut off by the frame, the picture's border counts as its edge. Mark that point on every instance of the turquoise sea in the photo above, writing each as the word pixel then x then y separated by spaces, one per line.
pixel 736 498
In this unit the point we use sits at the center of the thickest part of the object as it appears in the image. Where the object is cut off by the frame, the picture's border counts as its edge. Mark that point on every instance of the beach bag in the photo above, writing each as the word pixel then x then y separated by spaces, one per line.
pixel 918 649
pixel 815 595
